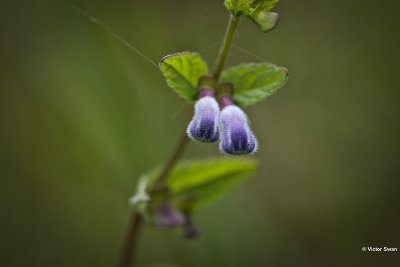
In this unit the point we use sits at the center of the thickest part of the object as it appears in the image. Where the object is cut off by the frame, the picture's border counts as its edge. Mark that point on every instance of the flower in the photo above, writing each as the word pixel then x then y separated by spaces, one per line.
pixel 204 125
pixel 189 230
pixel 236 137
pixel 167 216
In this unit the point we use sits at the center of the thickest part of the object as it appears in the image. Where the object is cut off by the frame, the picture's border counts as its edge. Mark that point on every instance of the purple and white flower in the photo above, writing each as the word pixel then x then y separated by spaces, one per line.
pixel 236 137
pixel 204 125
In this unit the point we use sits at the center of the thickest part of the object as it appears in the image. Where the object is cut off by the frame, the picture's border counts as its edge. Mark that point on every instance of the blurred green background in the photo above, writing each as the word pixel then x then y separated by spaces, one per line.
pixel 82 116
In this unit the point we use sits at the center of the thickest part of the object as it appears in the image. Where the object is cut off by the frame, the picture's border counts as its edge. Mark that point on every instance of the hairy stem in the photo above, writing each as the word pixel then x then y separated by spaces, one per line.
pixel 226 45
pixel 128 249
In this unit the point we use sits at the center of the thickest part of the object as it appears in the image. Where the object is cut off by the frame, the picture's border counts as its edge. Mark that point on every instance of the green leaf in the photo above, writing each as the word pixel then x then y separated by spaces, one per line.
pixel 238 7
pixel 195 183
pixel 246 7
pixel 254 82
pixel 264 4
pixel 182 72
pixel 265 20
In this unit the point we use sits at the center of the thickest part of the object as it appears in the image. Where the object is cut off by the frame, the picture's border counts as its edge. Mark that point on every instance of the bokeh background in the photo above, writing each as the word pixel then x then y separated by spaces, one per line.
pixel 82 116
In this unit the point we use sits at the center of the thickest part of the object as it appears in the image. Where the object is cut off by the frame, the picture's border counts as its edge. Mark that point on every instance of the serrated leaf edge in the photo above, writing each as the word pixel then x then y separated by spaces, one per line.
pixel 275 67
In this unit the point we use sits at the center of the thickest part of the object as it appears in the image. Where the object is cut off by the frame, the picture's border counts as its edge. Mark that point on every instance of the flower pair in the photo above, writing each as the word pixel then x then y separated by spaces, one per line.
pixel 222 120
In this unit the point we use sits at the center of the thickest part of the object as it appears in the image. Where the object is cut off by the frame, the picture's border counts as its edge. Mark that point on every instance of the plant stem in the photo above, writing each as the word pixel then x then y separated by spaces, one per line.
pixel 130 240
pixel 174 156
pixel 226 45
pixel 127 254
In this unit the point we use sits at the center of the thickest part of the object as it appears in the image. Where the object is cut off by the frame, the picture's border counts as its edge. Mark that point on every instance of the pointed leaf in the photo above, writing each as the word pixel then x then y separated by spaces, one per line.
pixel 254 82
pixel 182 72
pixel 195 183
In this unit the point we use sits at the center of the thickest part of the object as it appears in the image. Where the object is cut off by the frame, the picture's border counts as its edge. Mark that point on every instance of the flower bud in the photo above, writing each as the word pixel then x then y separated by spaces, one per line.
pixel 236 135
pixel 204 125
pixel 188 229
pixel 167 216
